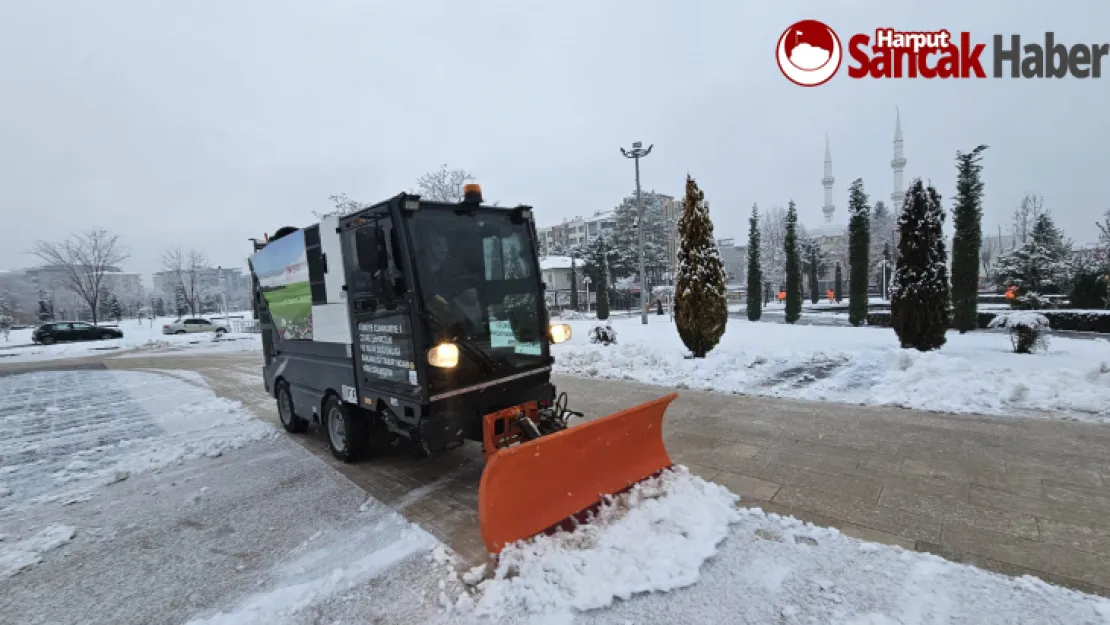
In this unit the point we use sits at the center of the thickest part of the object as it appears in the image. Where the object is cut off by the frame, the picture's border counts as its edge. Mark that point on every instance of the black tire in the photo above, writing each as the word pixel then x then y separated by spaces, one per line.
pixel 348 431
pixel 220 331
pixel 106 337
pixel 288 416
pixel 47 340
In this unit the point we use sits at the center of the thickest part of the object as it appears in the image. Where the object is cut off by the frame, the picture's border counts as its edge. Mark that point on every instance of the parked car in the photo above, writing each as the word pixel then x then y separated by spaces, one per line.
pixel 67 331
pixel 190 326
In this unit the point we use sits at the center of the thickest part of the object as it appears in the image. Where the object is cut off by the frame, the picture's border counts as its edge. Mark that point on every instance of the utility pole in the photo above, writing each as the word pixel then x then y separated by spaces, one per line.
pixel 636 154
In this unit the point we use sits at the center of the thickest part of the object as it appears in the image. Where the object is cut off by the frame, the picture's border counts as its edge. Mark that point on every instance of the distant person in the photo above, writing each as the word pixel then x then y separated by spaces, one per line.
pixel 5 327
pixel 441 283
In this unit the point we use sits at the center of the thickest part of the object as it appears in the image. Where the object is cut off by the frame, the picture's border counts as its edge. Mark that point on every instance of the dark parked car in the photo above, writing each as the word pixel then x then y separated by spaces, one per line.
pixel 66 331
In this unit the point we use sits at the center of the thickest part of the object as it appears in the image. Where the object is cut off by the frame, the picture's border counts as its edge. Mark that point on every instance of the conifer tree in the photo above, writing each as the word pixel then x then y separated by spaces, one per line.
pixel 967 218
pixel 755 273
pixel 838 284
pixel 859 227
pixel 573 284
pixel 793 265
pixel 919 290
pixel 603 282
pixel 811 262
pixel 701 308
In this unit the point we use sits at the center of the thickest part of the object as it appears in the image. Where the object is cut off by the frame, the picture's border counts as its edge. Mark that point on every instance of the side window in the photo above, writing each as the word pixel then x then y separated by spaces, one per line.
pixel 81 326
pixel 61 326
pixel 316 265
pixel 366 248
pixel 204 322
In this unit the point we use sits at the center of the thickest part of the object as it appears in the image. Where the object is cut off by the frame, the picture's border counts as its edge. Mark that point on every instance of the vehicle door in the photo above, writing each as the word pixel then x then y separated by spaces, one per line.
pixel 191 326
pixel 63 332
pixel 83 332
pixel 379 293
pixel 202 325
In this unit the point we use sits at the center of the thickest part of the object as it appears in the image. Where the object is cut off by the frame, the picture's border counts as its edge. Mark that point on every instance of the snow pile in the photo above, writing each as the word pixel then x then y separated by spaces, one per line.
pixel 15 557
pixel 72 431
pixel 326 567
pixel 972 373
pixel 653 538
pixel 775 569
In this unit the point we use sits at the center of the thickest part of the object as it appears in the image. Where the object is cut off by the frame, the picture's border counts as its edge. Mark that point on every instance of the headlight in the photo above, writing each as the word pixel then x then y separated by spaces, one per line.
pixel 444 355
pixel 560 333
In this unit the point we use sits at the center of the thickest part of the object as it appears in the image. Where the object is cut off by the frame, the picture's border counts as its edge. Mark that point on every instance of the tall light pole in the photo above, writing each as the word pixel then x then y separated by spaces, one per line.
pixel 636 154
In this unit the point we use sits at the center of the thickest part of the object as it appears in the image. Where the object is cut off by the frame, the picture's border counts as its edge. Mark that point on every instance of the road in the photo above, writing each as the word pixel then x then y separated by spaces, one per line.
pixel 1018 496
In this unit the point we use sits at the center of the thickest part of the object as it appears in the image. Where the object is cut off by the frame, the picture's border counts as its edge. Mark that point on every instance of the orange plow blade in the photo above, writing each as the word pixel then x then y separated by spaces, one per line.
pixel 535 486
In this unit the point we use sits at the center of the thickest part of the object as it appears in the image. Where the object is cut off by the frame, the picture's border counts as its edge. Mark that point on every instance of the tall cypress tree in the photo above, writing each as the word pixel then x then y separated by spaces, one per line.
pixel 811 253
pixel 700 303
pixel 838 284
pixel 793 265
pixel 573 284
pixel 755 272
pixel 859 229
pixel 603 281
pixel 919 291
pixel 967 217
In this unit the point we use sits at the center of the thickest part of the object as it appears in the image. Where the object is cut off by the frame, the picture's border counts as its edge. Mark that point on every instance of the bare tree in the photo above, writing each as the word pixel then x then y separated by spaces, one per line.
pixel 772 235
pixel 81 261
pixel 443 184
pixel 343 206
pixel 187 269
pixel 1025 215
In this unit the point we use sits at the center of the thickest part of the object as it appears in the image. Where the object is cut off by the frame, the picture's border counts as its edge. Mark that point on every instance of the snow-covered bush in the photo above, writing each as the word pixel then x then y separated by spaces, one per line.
pixel 1028 330
pixel 603 334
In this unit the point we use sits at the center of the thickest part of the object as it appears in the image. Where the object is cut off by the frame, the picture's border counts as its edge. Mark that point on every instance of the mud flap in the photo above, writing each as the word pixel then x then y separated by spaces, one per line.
pixel 532 487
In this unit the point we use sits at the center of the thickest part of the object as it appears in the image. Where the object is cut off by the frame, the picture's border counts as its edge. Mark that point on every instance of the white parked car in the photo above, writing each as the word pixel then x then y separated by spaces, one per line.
pixel 190 326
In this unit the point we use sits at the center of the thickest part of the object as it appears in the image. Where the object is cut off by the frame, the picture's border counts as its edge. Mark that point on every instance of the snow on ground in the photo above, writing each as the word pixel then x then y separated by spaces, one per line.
pixel 972 373
pixel 68 432
pixel 139 338
pixel 270 534
pixel 758 568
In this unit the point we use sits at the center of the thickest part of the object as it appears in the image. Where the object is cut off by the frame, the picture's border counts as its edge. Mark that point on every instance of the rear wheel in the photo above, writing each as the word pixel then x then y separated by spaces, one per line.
pixel 289 419
pixel 106 337
pixel 348 431
pixel 48 340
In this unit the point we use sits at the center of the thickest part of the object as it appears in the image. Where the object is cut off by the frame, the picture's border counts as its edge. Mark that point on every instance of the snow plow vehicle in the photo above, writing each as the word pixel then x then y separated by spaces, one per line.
pixel 424 324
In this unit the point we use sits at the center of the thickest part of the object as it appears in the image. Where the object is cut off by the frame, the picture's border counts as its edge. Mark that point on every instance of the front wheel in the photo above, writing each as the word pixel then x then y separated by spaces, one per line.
pixel 289 419
pixel 106 337
pixel 348 433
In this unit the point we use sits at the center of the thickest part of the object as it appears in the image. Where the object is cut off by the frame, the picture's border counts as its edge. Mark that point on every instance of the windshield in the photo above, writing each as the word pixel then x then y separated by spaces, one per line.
pixel 476 275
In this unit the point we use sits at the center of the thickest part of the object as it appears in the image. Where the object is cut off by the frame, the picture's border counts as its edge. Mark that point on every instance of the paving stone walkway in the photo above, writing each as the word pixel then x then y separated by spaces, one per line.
pixel 1017 496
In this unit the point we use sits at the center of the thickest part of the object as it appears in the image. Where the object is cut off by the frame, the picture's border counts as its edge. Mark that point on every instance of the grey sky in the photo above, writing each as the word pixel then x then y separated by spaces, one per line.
pixel 205 123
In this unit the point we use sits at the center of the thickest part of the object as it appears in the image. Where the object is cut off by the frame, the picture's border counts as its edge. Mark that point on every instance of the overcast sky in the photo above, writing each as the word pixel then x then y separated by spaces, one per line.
pixel 204 123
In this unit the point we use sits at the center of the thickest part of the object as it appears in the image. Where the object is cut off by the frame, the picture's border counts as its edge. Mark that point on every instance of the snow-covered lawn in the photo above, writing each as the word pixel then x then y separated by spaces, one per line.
pixel 156 501
pixel 138 337
pixel 972 373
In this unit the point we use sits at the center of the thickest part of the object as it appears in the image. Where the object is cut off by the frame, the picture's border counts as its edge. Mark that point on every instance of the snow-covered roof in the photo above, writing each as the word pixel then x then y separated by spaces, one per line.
pixel 555 262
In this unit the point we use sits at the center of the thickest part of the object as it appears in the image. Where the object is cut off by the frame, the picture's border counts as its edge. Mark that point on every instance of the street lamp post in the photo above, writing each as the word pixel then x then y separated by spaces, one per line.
pixel 636 153
pixel 586 281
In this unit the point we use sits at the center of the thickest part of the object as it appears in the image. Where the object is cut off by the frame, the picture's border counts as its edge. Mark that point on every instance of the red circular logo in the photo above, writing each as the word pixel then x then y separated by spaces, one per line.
pixel 809 53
